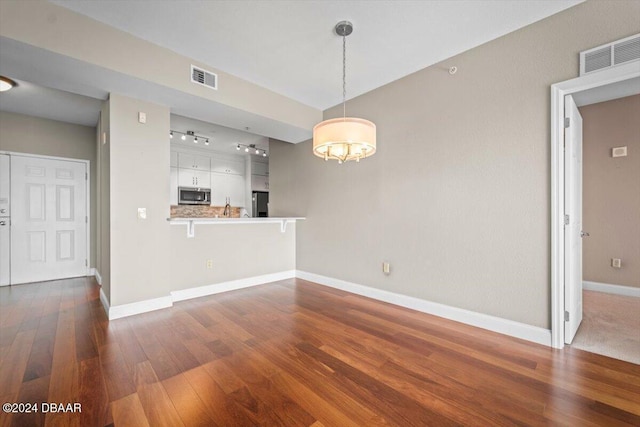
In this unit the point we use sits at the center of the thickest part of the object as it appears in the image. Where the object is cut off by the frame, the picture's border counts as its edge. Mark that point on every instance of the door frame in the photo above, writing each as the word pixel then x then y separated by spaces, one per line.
pixel 558 92
pixel 87 164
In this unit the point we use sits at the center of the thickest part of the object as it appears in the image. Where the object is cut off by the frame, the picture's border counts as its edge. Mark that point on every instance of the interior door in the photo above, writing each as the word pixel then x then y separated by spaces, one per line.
pixel 573 219
pixel 49 219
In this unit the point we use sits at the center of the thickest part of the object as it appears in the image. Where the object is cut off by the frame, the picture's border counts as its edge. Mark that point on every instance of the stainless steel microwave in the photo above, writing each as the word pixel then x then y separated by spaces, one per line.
pixel 194 196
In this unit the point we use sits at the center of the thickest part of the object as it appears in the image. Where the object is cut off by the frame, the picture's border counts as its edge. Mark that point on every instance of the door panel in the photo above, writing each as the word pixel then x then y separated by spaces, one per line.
pixel 49 219
pixel 573 208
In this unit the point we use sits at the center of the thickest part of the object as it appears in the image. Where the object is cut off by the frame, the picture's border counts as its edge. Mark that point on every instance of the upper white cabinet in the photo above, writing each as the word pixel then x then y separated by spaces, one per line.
pixel 259 168
pixel 193 161
pixel 194 178
pixel 222 165
pixel 259 183
pixel 225 185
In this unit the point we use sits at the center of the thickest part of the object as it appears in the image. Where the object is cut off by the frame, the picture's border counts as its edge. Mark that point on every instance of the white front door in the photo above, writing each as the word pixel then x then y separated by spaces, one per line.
pixel 48 219
pixel 573 220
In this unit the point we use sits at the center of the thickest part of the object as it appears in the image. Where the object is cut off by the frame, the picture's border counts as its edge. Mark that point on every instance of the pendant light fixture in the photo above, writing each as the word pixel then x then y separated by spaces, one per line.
pixel 345 138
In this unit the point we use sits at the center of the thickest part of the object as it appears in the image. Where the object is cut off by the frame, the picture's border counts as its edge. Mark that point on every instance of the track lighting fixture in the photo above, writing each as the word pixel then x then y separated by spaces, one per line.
pixel 252 147
pixel 192 134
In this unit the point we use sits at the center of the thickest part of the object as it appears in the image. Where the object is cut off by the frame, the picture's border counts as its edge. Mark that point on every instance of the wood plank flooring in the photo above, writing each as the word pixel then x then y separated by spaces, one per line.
pixel 289 353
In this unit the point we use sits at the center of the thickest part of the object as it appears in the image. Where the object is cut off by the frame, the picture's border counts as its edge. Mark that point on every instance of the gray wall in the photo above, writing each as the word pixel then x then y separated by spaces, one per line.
pixel 237 252
pixel 138 177
pixel 103 246
pixel 457 198
pixel 611 191
pixel 33 135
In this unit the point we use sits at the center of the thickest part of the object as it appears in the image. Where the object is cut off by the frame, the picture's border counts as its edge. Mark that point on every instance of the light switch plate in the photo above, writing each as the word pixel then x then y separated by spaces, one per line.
pixel 142 213
pixel 619 151
pixel 142 117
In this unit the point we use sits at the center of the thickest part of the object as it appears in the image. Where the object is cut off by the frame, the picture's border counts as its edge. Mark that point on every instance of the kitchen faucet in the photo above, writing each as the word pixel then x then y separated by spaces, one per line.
pixel 227 208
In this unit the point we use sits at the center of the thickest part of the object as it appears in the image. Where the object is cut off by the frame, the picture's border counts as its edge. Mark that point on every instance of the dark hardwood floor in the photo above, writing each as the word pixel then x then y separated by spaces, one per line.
pixel 289 353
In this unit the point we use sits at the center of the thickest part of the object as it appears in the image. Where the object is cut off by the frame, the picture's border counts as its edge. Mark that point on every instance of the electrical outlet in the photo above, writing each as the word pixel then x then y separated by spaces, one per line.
pixel 616 263
pixel 209 263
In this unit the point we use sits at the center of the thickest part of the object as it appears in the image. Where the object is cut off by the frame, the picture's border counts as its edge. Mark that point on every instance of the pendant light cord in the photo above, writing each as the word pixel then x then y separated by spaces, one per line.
pixel 344 76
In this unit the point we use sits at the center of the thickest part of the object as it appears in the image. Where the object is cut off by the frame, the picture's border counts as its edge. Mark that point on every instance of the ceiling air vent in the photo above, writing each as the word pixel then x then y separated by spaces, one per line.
pixel 609 55
pixel 204 77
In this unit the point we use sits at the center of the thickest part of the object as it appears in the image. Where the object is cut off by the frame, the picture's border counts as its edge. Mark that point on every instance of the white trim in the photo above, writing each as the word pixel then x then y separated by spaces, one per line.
pixel 104 301
pixel 118 311
pixel 558 92
pixel 484 321
pixel 98 276
pixel 608 288
pixel 124 310
pixel 217 288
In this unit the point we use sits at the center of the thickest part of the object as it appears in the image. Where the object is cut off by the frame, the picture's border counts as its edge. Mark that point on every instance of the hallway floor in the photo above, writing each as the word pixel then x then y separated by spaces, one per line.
pixel 610 326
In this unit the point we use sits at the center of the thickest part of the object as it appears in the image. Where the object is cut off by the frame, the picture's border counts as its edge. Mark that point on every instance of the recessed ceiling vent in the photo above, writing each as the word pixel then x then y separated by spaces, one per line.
pixel 204 77
pixel 609 55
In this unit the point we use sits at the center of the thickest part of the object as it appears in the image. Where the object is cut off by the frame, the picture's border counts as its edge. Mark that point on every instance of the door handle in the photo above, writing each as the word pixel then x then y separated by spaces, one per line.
pixel 584 234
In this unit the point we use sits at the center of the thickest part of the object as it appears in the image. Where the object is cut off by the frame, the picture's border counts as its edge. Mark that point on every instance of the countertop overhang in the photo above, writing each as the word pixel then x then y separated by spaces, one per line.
pixel 191 222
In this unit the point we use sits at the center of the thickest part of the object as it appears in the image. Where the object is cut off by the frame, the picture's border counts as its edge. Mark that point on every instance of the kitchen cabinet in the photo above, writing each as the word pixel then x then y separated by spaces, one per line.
pixel 193 161
pixel 259 183
pixel 222 165
pixel 225 185
pixel 173 186
pixel 259 168
pixel 194 178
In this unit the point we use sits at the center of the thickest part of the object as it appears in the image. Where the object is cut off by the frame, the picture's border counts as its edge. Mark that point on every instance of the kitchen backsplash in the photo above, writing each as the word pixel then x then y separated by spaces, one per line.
pixel 196 211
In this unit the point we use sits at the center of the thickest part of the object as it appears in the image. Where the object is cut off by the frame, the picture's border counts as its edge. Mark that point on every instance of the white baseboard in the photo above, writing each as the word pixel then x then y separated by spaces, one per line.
pixel 118 311
pixel 104 301
pixel 217 288
pixel 98 276
pixel 611 289
pixel 124 310
pixel 484 321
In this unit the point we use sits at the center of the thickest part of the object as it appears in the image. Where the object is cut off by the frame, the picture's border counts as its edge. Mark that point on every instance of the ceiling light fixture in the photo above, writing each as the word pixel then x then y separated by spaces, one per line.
pixel 252 147
pixel 196 138
pixel 6 83
pixel 346 138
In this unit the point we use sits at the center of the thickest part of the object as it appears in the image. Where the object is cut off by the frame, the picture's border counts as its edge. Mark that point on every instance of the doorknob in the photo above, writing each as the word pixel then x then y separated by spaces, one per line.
pixel 584 234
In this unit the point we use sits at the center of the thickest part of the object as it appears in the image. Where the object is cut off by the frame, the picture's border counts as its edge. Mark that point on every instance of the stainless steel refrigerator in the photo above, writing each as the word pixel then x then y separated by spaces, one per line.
pixel 5 220
pixel 260 204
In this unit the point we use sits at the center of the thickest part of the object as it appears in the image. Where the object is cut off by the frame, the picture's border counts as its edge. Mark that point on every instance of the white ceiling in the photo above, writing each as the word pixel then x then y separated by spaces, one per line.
pixel 286 46
pixel 290 47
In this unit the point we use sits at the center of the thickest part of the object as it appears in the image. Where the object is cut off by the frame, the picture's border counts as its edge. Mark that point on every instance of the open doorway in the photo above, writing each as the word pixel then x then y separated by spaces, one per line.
pixel 611 244
pixel 567 256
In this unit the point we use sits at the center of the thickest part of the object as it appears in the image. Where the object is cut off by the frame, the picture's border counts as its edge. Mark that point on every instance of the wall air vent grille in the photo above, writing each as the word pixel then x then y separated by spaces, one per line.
pixel 609 55
pixel 204 77
pixel 626 51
